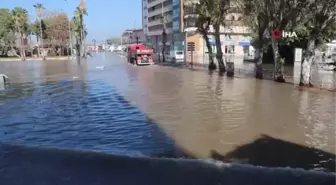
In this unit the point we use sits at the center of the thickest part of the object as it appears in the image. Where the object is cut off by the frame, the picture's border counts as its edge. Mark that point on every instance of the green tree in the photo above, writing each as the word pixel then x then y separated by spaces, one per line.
pixel 57 31
pixel 255 18
pixel 20 19
pixel 281 15
pixel 79 30
pixel 220 9
pixel 202 22
pixel 319 20
pixel 7 36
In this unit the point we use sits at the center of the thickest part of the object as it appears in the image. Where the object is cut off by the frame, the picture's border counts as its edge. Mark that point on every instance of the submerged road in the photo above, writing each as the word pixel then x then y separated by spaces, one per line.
pixel 109 106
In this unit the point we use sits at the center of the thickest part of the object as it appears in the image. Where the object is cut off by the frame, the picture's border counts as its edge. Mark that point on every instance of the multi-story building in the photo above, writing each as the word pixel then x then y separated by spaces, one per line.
pixel 132 36
pixel 154 11
pixel 234 38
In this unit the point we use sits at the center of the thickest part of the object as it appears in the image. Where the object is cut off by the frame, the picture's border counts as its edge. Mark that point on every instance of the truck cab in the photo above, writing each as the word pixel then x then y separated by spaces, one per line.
pixel 139 54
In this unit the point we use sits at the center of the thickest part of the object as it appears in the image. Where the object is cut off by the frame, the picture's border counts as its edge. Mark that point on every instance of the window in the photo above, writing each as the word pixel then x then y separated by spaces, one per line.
pixel 176 2
pixel 176 25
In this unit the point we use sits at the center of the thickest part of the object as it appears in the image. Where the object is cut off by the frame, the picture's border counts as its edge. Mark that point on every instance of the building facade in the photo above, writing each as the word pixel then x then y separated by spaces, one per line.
pixel 154 11
pixel 132 36
pixel 235 39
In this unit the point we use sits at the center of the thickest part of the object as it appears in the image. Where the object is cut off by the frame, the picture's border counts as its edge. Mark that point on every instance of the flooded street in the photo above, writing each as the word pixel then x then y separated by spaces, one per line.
pixel 106 105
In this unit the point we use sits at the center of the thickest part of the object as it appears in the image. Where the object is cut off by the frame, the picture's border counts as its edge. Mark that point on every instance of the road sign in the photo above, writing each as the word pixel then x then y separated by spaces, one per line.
pixel 298 55
pixel 191 46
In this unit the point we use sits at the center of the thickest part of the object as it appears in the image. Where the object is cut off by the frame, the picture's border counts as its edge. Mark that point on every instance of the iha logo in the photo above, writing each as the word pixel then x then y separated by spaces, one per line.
pixel 277 34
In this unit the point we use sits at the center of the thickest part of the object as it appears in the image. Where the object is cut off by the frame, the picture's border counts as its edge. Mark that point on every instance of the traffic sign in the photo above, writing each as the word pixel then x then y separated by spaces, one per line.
pixel 191 46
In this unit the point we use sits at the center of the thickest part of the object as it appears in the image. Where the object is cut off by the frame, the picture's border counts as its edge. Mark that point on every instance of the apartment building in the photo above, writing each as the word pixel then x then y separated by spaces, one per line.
pixel 132 36
pixel 234 38
pixel 153 11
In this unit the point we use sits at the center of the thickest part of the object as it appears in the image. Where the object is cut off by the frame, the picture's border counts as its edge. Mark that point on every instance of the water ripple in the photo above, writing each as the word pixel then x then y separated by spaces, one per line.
pixel 74 114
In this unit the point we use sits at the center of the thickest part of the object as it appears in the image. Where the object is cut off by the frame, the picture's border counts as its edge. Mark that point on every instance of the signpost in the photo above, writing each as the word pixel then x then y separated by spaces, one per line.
pixel 191 48
pixel 297 65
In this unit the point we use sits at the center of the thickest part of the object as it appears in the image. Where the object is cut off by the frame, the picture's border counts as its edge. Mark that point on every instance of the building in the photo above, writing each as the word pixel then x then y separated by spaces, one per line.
pixel 235 39
pixel 132 36
pixel 153 13
pixel 331 48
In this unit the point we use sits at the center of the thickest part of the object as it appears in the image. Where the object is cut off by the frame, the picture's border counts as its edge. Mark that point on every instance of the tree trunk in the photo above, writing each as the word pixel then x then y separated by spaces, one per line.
pixel 278 74
pixel 14 52
pixel 22 52
pixel 212 66
pixel 258 61
pixel 219 54
pixel 305 76
pixel 81 35
pixel 38 45
pixel 164 39
pixel 78 48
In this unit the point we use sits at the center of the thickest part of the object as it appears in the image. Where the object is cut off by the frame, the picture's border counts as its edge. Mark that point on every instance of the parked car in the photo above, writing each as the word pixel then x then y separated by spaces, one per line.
pixel 175 56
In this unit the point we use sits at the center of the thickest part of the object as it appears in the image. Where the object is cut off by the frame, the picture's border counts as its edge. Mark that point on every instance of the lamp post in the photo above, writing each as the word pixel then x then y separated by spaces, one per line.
pixel 82 8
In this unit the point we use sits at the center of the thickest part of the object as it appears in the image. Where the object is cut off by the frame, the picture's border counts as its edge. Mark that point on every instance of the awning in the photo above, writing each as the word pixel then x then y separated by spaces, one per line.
pixel 245 43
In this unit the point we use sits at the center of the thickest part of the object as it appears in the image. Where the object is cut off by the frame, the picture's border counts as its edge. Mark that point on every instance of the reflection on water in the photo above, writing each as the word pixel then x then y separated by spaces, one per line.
pixel 128 109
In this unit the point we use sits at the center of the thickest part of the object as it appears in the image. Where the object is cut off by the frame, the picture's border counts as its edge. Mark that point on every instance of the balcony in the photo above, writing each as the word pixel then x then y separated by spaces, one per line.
pixel 158 21
pixel 154 3
pixel 160 11
pixel 159 32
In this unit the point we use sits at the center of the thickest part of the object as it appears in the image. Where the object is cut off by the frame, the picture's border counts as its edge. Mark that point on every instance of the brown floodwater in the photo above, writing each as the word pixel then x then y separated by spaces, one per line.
pixel 205 115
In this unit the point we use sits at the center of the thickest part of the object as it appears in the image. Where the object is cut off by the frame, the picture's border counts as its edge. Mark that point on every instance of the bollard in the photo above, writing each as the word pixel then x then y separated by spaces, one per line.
pixel 3 79
pixel 230 69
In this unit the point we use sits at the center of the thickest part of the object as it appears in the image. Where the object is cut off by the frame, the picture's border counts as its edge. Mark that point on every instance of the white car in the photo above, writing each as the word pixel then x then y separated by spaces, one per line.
pixel 175 56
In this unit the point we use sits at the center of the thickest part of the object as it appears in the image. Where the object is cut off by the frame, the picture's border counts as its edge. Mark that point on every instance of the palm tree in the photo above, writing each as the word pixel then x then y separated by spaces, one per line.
pixel 82 11
pixel 79 30
pixel 39 12
pixel 20 19
pixel 203 22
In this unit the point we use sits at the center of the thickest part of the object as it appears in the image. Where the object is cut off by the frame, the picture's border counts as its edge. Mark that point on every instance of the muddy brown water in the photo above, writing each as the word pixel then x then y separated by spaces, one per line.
pixel 107 105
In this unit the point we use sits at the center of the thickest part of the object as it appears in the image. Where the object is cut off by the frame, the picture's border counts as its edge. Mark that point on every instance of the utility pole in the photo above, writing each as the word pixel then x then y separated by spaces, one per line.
pixel 164 33
pixel 70 35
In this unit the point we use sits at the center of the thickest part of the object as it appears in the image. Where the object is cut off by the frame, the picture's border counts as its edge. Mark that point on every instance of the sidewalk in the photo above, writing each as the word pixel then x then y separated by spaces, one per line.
pixel 10 59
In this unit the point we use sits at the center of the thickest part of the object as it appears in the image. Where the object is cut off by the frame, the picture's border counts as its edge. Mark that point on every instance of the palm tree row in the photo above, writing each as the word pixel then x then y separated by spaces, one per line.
pixel 77 27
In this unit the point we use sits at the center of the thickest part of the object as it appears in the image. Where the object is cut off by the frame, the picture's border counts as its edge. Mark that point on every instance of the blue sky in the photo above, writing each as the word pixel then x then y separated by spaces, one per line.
pixel 106 18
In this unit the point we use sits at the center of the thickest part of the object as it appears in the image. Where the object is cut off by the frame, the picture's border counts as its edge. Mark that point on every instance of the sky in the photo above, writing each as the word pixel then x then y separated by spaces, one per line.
pixel 106 19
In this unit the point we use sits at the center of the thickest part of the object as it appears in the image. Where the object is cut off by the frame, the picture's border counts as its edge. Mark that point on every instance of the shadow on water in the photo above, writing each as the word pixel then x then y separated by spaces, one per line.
pixel 21 165
pixel 83 116
pixel 271 152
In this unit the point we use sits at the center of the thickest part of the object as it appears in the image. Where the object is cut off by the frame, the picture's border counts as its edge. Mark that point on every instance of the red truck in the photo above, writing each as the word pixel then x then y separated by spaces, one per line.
pixel 139 54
